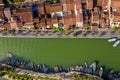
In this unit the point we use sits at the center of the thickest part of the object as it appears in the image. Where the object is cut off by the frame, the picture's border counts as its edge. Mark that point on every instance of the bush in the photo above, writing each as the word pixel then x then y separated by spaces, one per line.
pixel 4 33
pixel 100 35
pixel 118 35
pixel 13 1
pixel 116 28
pixel 49 35
pixel 84 35
pixel 58 29
pixel 2 74
pixel 41 34
pixel 23 34
pixel 32 34
pixel 74 35
pixel 13 34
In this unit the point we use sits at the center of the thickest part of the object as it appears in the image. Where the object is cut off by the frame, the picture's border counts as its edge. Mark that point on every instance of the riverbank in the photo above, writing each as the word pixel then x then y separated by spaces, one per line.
pixel 52 76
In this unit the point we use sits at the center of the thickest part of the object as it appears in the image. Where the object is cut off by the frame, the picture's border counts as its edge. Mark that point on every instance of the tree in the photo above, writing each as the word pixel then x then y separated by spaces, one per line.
pixel 13 1
pixel 74 35
pixel 54 1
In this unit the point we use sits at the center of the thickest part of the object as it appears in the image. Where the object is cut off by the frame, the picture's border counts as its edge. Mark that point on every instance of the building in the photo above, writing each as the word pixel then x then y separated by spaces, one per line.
pixel 115 16
pixel 16 23
pixel 1 3
pixel 99 2
pixel 7 13
pixel 65 14
pixel 90 4
pixel 41 8
pixel 95 18
pixel 25 15
pixel 115 4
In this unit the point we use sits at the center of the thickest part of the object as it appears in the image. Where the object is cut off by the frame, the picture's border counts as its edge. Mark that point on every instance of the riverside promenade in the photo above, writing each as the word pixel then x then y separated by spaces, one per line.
pixel 57 34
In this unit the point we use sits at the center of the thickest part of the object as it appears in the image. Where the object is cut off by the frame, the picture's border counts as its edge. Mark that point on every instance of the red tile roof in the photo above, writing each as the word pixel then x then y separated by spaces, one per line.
pixel 1 13
pixel 70 6
pixel 54 20
pixel 95 17
pixel 42 23
pixel 115 4
pixel 79 17
pixel 7 13
pixel 41 8
pixel 70 20
pixel 1 2
pixel 78 4
pixel 7 25
pixel 116 16
pixel 105 2
pixel 69 1
pixel 55 7
pixel 101 21
pixel 99 2
pixel 47 8
pixel 63 1
pixel 25 15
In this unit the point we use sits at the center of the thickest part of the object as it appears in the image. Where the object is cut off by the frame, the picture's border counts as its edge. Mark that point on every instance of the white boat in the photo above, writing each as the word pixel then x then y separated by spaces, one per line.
pixel 116 43
pixel 112 40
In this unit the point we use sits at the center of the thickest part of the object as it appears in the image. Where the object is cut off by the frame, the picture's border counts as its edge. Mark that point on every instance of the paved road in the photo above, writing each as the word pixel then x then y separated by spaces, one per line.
pixel 56 34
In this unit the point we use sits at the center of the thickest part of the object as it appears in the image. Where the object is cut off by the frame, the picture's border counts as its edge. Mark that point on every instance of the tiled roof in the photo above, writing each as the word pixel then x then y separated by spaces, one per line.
pixel 1 25
pixel 7 12
pixel 49 22
pixel 94 27
pixel 95 17
pixel 70 6
pixel 1 2
pixel 7 25
pixel 47 8
pixel 19 25
pixel 116 16
pixel 78 4
pixel 42 23
pixel 60 20
pixel 41 8
pixel 1 13
pixel 83 1
pixel 55 7
pixel 79 17
pixel 101 21
pixel 23 10
pixel 115 4
pixel 54 20
pixel 63 1
pixel 105 2
pixel 99 2
pixel 36 20
pixel 90 5
pixel 69 1
pixel 25 15
pixel 70 20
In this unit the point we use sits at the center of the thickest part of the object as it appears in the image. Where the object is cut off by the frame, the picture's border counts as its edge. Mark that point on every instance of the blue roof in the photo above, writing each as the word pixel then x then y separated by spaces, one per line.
pixel 35 9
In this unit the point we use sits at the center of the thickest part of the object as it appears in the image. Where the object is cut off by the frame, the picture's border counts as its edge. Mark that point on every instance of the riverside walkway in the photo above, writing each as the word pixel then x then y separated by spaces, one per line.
pixel 56 34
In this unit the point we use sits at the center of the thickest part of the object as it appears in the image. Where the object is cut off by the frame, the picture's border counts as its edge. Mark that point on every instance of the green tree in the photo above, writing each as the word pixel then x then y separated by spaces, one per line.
pixel 13 1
